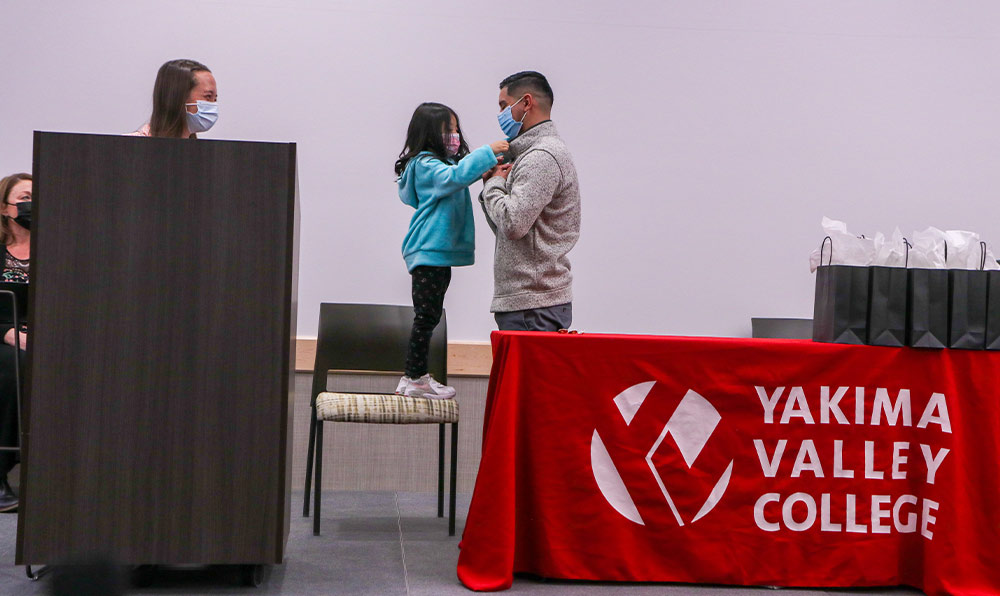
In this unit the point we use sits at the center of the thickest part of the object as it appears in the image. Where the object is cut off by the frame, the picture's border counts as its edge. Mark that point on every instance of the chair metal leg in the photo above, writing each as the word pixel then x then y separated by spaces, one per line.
pixel 441 470
pixel 310 453
pixel 454 476
pixel 319 476
pixel 37 573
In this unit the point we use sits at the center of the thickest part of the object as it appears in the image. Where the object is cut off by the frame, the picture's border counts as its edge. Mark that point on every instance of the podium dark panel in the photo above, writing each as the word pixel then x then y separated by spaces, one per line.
pixel 161 351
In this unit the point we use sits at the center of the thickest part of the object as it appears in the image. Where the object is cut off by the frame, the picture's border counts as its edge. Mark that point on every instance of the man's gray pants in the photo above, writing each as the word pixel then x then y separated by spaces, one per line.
pixel 550 318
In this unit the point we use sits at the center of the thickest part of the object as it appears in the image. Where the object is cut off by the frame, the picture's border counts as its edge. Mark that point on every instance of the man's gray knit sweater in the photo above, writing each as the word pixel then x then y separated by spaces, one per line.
pixel 535 214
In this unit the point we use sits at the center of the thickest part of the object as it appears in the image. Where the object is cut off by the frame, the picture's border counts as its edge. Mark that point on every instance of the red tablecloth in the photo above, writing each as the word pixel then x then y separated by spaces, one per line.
pixel 737 461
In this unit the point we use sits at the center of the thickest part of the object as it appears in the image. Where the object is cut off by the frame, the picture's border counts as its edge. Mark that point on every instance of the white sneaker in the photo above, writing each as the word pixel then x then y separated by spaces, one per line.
pixel 401 386
pixel 425 386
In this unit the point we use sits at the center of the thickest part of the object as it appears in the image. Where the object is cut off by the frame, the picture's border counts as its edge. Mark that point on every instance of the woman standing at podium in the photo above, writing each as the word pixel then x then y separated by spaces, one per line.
pixel 15 236
pixel 184 101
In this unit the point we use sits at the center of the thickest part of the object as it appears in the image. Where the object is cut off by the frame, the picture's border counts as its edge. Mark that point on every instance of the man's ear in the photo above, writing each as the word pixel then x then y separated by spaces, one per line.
pixel 529 101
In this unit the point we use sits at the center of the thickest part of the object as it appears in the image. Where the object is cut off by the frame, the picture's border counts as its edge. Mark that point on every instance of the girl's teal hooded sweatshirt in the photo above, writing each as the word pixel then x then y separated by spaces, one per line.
pixel 442 232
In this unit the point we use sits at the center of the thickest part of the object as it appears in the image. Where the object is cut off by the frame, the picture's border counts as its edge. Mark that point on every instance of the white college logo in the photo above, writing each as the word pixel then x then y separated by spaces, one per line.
pixel 691 425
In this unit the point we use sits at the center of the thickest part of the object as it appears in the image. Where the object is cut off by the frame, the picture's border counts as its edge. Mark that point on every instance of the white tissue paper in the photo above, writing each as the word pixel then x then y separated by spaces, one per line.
pixel 928 249
pixel 848 249
pixel 965 251
pixel 890 252
pixel 991 260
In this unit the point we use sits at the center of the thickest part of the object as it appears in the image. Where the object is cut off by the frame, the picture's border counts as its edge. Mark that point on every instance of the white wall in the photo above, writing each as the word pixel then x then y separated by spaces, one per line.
pixel 710 137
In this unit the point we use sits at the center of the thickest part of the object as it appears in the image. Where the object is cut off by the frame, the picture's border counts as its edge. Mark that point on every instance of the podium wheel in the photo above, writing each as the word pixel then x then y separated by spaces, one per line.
pixel 252 575
pixel 143 576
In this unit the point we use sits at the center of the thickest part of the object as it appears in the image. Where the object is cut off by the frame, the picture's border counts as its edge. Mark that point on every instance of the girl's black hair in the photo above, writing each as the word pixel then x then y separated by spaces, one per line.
pixel 430 120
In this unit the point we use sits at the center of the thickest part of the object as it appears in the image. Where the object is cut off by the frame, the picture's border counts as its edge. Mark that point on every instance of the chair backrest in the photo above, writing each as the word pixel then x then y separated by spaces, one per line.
pixel 371 337
pixel 781 328
pixel 15 298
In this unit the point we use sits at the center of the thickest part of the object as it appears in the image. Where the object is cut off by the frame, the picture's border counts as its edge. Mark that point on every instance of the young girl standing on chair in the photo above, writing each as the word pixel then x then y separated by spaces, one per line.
pixel 435 170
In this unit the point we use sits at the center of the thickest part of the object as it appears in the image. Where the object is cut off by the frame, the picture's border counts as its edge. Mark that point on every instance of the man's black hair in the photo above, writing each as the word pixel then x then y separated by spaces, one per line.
pixel 528 81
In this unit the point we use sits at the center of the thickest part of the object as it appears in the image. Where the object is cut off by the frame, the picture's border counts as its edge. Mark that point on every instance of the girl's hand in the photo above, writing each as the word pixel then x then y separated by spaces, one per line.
pixel 503 169
pixel 500 147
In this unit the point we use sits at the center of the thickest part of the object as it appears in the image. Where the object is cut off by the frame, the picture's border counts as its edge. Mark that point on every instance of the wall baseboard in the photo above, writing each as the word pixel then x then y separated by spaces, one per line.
pixel 465 358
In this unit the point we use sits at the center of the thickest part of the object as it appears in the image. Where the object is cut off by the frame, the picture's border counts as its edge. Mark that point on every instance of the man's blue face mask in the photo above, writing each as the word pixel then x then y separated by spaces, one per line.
pixel 508 125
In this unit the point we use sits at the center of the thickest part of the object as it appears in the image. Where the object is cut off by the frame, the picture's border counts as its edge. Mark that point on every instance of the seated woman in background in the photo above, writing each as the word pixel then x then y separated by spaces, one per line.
pixel 15 236
pixel 184 101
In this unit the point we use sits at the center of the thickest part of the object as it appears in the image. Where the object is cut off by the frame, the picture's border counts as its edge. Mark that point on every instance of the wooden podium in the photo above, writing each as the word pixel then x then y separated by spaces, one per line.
pixel 161 351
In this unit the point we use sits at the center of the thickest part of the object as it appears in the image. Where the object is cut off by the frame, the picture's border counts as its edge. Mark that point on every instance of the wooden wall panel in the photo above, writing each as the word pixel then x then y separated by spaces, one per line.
pixel 465 358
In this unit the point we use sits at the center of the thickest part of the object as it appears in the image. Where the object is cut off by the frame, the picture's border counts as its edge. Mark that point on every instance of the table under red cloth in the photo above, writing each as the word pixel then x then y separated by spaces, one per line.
pixel 737 461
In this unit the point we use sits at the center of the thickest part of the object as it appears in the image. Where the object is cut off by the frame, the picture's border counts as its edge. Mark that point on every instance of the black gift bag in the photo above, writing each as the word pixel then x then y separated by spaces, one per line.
pixel 968 306
pixel 840 310
pixel 993 310
pixel 927 320
pixel 927 315
pixel 887 304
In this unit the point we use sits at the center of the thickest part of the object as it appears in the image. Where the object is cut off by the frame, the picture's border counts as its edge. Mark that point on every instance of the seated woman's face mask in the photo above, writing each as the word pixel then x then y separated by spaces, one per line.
pixel 204 118
pixel 23 217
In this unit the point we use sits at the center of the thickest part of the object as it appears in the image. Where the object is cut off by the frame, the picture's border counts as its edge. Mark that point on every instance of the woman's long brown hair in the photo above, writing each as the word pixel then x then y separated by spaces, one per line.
pixel 174 82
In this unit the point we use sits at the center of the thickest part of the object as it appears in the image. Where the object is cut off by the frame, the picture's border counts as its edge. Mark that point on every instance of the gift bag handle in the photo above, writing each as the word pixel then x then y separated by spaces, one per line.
pixel 908 246
pixel 982 255
pixel 823 246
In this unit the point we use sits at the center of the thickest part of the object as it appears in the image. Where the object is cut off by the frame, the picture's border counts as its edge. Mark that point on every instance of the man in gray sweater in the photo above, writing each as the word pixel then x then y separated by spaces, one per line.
pixel 532 202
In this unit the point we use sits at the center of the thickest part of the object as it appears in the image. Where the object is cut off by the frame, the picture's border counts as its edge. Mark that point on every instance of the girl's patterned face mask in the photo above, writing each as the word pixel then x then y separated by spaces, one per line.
pixel 451 142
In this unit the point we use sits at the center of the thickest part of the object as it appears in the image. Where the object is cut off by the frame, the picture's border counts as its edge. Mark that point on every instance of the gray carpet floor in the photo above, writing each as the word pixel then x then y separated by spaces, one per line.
pixel 383 543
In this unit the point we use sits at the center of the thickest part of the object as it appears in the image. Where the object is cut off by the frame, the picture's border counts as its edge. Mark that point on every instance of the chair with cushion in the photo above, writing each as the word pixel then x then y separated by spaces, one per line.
pixel 374 338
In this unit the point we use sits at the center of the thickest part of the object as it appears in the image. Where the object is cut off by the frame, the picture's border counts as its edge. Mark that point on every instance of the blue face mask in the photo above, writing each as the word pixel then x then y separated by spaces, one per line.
pixel 508 125
pixel 204 118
